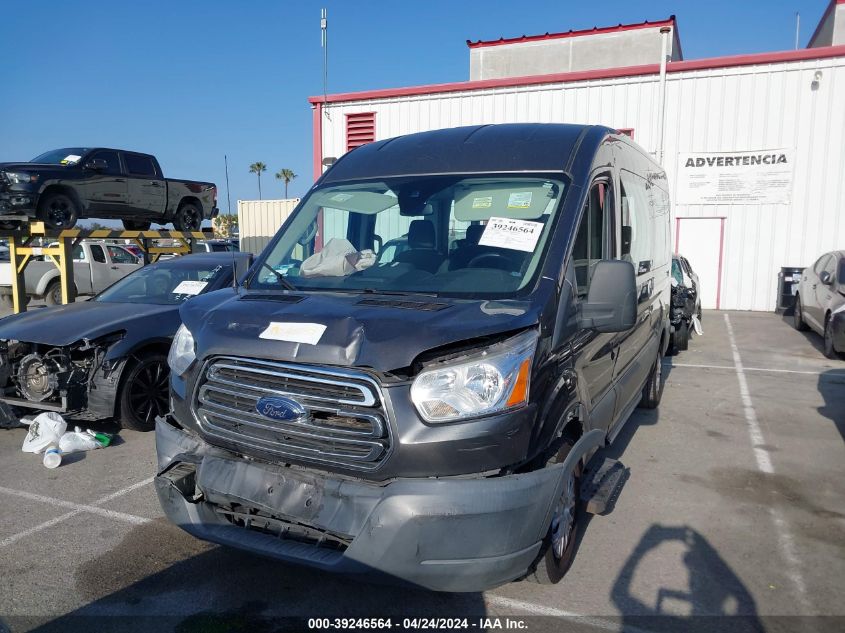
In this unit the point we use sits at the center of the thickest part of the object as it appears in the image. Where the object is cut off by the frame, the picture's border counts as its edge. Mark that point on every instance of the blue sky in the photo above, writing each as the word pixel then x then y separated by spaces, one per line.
pixel 191 81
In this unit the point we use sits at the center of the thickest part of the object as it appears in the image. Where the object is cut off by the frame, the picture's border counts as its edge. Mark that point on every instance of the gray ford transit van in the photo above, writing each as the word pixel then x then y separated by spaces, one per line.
pixel 429 414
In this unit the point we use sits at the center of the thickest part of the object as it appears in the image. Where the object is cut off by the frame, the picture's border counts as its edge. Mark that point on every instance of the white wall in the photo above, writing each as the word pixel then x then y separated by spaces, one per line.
pixel 727 109
pixel 258 221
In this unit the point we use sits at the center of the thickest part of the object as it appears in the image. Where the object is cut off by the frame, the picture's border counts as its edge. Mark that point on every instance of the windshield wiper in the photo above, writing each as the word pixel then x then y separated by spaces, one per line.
pixel 282 279
pixel 398 293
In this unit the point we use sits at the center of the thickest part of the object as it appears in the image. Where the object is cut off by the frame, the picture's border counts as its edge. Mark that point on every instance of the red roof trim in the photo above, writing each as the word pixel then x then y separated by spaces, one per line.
pixel 609 73
pixel 596 30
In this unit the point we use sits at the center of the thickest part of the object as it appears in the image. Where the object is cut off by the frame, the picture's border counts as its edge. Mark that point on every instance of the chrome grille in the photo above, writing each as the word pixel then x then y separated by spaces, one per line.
pixel 345 424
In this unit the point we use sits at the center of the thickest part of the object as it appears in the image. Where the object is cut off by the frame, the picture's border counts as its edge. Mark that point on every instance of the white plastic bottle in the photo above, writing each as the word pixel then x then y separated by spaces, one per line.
pixel 52 456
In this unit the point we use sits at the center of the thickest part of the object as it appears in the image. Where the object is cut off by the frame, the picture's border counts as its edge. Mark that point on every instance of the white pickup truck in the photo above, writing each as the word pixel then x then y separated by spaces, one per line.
pixel 96 266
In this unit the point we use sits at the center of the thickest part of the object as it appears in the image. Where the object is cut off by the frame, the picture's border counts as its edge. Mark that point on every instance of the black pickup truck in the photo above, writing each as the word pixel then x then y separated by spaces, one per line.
pixel 63 185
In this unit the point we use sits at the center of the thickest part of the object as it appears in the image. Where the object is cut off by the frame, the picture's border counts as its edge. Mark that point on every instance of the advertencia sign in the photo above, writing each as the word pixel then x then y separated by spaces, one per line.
pixel 755 177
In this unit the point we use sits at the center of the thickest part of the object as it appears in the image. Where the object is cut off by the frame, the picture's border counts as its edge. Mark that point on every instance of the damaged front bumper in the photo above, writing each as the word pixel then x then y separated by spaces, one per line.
pixel 449 534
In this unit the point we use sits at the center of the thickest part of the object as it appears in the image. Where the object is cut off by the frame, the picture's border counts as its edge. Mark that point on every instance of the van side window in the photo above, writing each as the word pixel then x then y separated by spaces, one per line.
pixel 638 242
pixel 591 240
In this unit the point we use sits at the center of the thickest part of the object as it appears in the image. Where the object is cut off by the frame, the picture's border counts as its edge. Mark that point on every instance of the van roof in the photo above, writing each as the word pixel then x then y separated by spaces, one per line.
pixel 508 147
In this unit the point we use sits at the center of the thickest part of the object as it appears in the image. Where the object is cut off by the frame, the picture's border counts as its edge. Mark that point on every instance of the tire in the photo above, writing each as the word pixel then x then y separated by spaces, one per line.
pixel 682 337
pixel 558 549
pixel 653 388
pixel 136 225
pixel 798 316
pixel 144 392
pixel 829 348
pixel 188 218
pixel 58 211
pixel 53 293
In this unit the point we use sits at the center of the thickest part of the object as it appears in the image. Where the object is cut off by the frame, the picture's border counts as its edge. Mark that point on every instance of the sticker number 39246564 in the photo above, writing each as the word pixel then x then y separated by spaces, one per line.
pixel 517 235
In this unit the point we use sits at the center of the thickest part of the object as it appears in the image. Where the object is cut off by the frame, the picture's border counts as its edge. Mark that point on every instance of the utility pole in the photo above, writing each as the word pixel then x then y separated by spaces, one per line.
pixel 324 42
pixel 228 199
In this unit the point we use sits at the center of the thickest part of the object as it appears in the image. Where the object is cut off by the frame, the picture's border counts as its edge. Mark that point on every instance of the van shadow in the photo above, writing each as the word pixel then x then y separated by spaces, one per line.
pixel 831 386
pixel 166 580
pixel 704 589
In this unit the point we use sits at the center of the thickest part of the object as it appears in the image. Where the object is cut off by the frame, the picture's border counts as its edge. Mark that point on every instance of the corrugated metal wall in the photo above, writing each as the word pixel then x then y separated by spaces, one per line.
pixel 258 221
pixel 758 107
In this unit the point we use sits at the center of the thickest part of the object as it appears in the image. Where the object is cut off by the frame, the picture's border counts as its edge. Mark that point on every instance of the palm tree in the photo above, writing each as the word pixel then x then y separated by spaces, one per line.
pixel 287 175
pixel 257 168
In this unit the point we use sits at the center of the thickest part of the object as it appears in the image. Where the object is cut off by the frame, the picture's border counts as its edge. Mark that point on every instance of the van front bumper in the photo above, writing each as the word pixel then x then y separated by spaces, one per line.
pixel 450 534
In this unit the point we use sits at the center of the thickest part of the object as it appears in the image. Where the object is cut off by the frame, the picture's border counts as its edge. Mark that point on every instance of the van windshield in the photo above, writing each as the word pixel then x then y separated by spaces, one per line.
pixel 447 235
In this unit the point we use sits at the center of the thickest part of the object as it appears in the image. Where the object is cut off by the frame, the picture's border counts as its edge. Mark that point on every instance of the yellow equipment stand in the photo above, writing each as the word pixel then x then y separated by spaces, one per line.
pixel 21 252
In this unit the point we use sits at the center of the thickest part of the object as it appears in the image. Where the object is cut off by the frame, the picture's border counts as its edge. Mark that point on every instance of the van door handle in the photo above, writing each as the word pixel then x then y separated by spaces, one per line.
pixel 120 179
pixel 155 183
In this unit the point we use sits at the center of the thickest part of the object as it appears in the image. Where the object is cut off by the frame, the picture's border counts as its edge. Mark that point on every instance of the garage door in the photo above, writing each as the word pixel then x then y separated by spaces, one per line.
pixel 701 241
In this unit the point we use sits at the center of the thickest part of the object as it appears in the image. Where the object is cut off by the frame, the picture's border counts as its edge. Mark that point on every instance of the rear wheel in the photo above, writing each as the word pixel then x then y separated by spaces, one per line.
pixel 188 218
pixel 682 336
pixel 829 348
pixel 53 294
pixel 558 550
pixel 144 394
pixel 653 388
pixel 798 315
pixel 58 211
pixel 136 225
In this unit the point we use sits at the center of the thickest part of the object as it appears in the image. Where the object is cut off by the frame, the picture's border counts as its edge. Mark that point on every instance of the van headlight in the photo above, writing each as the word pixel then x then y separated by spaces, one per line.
pixel 182 351
pixel 495 380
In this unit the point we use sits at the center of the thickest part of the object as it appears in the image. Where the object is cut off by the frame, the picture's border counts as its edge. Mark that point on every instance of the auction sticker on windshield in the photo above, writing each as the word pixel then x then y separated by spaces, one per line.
pixel 517 235
pixel 189 287
pixel 309 333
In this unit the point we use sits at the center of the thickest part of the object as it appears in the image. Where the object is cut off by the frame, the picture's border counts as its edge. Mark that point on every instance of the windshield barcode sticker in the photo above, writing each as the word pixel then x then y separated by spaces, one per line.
pixel 189 287
pixel 516 235
pixel 309 333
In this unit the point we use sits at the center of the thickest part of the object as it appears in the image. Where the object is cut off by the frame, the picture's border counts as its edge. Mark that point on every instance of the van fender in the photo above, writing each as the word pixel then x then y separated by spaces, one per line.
pixel 584 448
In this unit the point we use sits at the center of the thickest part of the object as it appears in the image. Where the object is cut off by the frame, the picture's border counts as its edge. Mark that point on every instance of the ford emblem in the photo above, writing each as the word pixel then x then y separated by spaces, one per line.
pixel 281 408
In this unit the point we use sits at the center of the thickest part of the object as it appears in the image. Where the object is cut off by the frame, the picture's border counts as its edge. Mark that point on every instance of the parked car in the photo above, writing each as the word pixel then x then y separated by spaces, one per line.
pixel 107 356
pixel 96 265
pixel 63 185
pixel 820 301
pixel 686 303
pixel 214 246
pixel 415 420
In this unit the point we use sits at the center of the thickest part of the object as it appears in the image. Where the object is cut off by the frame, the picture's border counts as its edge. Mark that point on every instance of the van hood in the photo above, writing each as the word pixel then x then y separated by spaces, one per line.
pixel 361 330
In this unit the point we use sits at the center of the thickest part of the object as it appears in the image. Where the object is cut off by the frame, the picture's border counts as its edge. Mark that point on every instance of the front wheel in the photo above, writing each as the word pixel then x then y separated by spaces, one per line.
pixel 188 218
pixel 58 211
pixel 144 394
pixel 558 550
pixel 653 388
pixel 682 336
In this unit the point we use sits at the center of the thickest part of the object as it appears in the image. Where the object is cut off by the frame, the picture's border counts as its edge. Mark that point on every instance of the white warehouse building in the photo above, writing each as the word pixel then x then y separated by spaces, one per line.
pixel 754 145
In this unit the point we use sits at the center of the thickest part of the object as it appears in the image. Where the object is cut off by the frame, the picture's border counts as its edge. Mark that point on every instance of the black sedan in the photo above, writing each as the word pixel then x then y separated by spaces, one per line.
pixel 108 356
pixel 820 301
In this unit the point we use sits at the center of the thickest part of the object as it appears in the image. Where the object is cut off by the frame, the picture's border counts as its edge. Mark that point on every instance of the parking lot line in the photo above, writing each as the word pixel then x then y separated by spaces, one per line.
pixel 539 609
pixel 764 464
pixel 827 372
pixel 76 508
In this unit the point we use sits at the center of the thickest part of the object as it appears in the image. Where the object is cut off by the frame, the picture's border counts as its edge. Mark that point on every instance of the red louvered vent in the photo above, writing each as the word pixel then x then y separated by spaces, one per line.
pixel 360 129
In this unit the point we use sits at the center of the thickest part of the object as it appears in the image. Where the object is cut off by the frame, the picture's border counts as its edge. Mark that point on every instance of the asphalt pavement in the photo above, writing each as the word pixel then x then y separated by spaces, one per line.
pixel 732 518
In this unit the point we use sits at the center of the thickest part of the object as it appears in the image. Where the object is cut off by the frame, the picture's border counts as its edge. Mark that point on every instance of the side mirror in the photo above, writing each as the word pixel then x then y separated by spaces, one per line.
pixel 611 304
pixel 98 164
pixel 825 277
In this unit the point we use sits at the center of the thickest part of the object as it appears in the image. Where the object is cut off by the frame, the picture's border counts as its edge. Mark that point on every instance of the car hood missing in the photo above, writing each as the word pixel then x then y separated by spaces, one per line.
pixel 67 324
pixel 361 330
